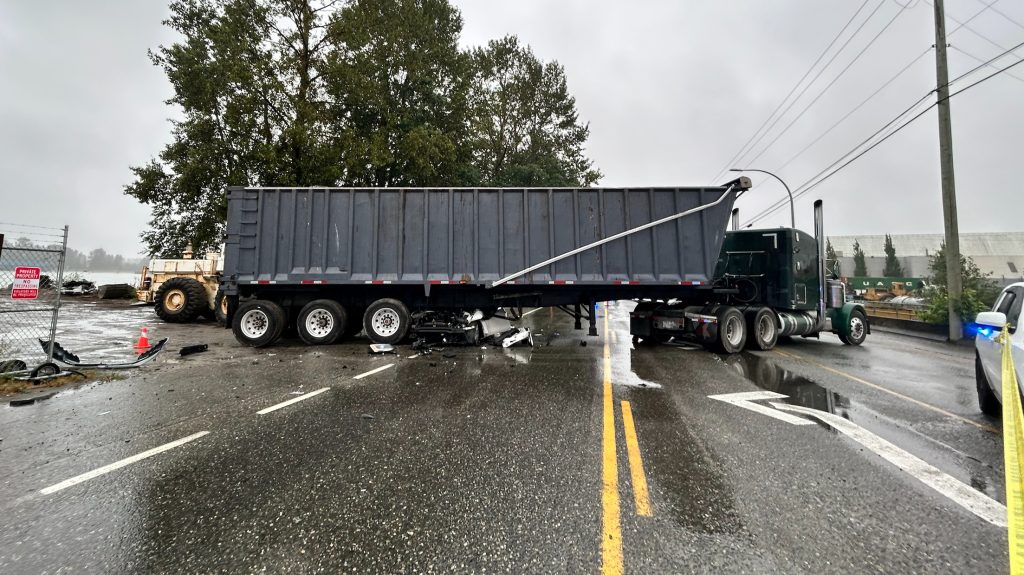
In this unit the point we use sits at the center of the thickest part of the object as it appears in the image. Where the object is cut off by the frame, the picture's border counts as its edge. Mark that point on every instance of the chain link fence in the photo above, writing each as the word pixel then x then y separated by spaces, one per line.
pixel 31 276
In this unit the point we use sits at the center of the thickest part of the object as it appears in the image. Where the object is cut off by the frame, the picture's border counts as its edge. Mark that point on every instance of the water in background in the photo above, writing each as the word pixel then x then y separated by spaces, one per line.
pixel 104 278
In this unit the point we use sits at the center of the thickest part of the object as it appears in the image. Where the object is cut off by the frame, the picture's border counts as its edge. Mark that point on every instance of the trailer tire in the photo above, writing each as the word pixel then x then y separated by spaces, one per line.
pixel 386 321
pixel 180 300
pixel 321 322
pixel 858 329
pixel 762 329
pixel 220 308
pixel 258 323
pixel 732 330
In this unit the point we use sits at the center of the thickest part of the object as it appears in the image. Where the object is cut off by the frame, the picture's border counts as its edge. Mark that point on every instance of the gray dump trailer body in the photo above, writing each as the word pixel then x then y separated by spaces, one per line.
pixel 420 239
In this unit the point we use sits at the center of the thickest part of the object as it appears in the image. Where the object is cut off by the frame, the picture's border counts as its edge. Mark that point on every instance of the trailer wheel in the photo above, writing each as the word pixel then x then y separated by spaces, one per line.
pixel 762 331
pixel 321 322
pixel 858 329
pixel 220 308
pixel 732 330
pixel 386 321
pixel 258 323
pixel 180 300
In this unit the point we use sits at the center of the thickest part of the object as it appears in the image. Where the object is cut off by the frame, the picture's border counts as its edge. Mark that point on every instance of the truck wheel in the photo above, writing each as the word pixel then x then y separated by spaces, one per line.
pixel 987 400
pixel 321 322
pixel 180 300
pixel 858 329
pixel 386 321
pixel 732 330
pixel 762 331
pixel 258 323
pixel 220 308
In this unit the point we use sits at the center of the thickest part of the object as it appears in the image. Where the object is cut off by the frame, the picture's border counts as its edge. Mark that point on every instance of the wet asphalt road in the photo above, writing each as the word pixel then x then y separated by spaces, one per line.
pixel 495 460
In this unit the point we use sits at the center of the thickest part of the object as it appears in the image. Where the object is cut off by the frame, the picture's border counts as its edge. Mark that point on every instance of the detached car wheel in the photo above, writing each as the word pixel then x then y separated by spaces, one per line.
pixel 258 323
pixel 987 400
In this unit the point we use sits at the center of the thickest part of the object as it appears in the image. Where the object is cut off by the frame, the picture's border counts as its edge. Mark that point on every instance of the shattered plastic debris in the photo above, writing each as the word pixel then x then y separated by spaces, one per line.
pixel 382 348
pixel 518 335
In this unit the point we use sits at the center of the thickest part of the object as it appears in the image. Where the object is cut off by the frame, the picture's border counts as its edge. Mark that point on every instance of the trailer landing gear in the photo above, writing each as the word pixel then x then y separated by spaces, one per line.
pixel 593 319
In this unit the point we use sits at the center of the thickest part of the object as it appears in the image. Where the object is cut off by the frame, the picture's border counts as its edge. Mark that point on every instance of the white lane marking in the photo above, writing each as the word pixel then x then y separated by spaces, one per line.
pixel 746 400
pixel 974 501
pixel 119 464
pixel 413 356
pixel 373 371
pixel 291 401
pixel 531 311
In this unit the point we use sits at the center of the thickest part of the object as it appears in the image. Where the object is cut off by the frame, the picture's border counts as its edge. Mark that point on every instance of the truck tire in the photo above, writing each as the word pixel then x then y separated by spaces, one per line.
pixel 258 323
pixel 987 400
pixel 732 330
pixel 180 300
pixel 858 329
pixel 220 308
pixel 321 322
pixel 762 329
pixel 386 321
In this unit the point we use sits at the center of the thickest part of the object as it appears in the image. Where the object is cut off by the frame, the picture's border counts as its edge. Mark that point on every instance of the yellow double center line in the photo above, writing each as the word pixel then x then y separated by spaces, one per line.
pixel 611 515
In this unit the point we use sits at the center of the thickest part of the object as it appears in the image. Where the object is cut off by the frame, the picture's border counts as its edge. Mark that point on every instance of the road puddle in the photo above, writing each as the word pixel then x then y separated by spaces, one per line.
pixel 804 392
pixel 769 375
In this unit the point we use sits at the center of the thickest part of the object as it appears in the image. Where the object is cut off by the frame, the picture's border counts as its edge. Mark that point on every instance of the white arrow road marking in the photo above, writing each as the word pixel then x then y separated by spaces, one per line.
pixel 977 503
pixel 746 400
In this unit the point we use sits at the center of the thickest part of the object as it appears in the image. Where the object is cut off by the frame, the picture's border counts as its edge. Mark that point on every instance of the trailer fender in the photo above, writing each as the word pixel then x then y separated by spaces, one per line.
pixel 841 318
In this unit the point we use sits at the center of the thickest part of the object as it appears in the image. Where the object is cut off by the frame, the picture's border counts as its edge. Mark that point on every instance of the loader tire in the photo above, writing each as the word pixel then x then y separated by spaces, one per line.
pixel 180 300
pixel 220 308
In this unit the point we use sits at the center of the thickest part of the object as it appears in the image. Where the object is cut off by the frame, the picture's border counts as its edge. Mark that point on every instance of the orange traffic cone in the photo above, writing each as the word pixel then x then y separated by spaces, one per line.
pixel 142 346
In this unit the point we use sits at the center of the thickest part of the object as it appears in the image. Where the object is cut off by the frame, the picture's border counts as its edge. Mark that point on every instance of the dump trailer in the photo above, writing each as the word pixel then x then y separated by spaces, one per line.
pixel 399 261
pixel 768 283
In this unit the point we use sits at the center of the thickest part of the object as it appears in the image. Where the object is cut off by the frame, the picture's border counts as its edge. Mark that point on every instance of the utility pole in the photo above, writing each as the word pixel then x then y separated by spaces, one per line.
pixel 953 279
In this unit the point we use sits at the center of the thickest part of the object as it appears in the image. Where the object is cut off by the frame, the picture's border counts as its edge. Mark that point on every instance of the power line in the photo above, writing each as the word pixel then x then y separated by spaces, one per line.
pixel 830 84
pixel 855 108
pixel 1004 15
pixel 972 30
pixel 808 185
pixel 977 59
pixel 778 204
pixel 793 89
pixel 814 79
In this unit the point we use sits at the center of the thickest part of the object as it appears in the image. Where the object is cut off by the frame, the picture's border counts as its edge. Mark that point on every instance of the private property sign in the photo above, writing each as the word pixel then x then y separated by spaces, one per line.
pixel 26 283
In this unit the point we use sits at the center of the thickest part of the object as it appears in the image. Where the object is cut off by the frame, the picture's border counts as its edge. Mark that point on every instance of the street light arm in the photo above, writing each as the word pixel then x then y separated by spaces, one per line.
pixel 792 210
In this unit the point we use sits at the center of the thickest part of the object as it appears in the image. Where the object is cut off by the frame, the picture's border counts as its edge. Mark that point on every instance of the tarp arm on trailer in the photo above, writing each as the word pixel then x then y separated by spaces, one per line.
pixel 740 184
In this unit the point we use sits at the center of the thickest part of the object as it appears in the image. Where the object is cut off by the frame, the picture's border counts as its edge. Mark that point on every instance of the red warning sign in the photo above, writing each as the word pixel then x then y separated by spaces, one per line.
pixel 26 283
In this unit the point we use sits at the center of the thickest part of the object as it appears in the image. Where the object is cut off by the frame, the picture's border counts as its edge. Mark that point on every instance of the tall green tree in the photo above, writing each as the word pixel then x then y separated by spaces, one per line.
pixel 893 268
pixel 247 79
pixel 397 88
pixel 352 93
pixel 525 128
pixel 860 267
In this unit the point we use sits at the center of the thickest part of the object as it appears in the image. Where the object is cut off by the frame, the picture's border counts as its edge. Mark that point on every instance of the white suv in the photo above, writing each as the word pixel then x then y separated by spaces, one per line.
pixel 988 366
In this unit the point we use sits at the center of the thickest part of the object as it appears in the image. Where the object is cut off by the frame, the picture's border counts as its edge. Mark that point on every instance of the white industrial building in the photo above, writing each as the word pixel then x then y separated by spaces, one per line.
pixel 998 254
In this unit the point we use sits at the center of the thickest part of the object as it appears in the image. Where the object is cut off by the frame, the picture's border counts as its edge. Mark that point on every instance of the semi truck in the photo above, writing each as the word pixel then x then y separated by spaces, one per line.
pixel 395 262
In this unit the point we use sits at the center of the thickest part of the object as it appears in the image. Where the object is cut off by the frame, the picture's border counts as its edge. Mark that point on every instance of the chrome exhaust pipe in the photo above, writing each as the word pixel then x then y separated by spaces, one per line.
pixel 819 235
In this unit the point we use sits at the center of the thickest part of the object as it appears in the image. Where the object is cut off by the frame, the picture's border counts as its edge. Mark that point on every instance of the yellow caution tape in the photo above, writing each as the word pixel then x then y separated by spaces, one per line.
pixel 1013 446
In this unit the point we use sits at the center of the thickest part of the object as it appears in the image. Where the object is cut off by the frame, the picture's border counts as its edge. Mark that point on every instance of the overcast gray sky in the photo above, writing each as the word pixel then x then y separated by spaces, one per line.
pixel 671 90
